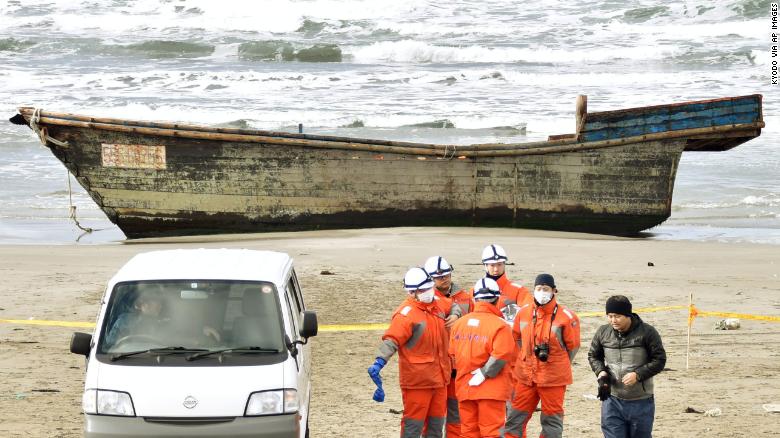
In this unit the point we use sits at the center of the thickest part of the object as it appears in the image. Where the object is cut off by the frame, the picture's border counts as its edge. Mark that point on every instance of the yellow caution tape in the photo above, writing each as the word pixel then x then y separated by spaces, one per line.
pixel 49 323
pixel 738 315
pixel 78 324
pixel 352 327
pixel 383 326
pixel 640 310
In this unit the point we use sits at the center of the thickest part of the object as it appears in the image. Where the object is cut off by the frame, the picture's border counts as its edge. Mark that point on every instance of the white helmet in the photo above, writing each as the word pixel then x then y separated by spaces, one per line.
pixel 437 266
pixel 494 254
pixel 486 289
pixel 417 279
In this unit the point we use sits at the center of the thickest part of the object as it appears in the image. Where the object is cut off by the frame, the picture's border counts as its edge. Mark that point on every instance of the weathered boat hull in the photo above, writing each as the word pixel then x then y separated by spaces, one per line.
pixel 165 180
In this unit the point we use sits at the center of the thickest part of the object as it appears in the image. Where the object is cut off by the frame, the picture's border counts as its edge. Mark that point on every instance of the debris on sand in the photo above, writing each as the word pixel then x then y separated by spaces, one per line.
pixel 714 412
pixel 772 407
pixel 690 410
pixel 326 272
pixel 727 324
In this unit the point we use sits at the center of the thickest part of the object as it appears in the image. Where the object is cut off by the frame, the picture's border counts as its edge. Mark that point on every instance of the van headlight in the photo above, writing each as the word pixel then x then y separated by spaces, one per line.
pixel 281 401
pixel 102 402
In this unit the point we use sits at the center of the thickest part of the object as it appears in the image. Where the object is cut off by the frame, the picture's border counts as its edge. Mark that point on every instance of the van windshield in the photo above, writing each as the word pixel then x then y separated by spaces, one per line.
pixel 191 315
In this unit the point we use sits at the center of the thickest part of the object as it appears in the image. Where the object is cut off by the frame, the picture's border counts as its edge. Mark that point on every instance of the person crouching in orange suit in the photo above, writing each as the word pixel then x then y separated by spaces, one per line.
pixel 482 345
pixel 548 335
pixel 418 334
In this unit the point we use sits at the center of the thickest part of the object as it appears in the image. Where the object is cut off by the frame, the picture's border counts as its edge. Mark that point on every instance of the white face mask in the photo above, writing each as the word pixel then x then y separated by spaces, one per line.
pixel 425 297
pixel 542 297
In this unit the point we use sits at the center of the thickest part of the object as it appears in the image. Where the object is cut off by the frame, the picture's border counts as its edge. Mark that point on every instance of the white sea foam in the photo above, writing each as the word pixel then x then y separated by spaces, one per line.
pixel 769 200
pixel 410 51
pixel 155 18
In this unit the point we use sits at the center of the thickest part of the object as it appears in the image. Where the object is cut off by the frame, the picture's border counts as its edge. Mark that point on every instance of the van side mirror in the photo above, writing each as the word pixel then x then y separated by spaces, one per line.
pixel 307 330
pixel 309 327
pixel 81 343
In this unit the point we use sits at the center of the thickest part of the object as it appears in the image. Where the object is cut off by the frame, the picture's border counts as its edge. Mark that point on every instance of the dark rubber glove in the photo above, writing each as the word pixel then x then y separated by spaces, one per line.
pixel 604 388
pixel 373 371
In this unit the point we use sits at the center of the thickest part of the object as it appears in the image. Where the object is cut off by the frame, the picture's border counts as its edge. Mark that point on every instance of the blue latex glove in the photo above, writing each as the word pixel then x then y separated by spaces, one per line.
pixel 373 371
pixel 379 394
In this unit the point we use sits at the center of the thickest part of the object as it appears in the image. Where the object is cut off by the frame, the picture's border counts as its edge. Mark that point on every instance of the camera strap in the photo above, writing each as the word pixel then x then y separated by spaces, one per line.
pixel 552 318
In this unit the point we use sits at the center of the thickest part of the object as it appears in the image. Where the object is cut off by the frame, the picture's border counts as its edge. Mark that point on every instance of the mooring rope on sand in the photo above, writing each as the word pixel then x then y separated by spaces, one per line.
pixel 72 209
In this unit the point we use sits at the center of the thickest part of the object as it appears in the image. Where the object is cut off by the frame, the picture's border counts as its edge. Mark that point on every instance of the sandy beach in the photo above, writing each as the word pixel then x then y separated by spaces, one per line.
pixel 736 371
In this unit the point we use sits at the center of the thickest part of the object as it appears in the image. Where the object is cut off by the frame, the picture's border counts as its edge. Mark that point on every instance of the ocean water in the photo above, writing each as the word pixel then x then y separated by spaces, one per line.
pixel 459 71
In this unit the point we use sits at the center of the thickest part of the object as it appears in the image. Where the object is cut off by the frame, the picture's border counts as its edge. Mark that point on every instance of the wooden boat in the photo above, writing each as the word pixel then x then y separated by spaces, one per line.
pixel 614 175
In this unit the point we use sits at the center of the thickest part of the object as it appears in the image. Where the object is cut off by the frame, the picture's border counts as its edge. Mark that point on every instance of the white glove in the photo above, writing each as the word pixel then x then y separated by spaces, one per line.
pixel 478 377
pixel 509 313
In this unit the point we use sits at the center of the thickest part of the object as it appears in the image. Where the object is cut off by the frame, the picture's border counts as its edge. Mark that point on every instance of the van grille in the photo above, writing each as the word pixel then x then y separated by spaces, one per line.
pixel 189 420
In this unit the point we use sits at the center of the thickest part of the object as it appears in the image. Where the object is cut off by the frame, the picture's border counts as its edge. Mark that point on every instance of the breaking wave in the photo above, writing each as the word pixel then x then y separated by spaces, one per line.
pixel 640 15
pixel 158 49
pixel 750 9
pixel 285 51
pixel 410 51
pixel 14 45
pixel 771 200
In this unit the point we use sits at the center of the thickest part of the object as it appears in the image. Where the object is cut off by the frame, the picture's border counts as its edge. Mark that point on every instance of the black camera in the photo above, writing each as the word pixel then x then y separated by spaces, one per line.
pixel 542 351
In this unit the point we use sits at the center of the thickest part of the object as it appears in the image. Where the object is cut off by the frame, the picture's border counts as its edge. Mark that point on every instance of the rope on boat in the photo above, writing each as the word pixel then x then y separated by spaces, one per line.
pixel 72 209
pixel 42 133
pixel 452 155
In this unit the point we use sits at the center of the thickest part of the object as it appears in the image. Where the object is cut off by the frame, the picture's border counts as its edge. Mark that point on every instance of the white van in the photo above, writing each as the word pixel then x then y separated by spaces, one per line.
pixel 203 342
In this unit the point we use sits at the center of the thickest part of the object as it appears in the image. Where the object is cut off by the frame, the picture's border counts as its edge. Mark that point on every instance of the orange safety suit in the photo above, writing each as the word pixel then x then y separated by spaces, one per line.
pixel 512 293
pixel 482 340
pixel 558 327
pixel 418 334
pixel 462 297
pixel 465 300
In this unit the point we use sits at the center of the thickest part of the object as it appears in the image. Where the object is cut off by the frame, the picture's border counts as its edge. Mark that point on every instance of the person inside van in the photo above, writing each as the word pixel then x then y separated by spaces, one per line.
pixel 142 319
pixel 145 321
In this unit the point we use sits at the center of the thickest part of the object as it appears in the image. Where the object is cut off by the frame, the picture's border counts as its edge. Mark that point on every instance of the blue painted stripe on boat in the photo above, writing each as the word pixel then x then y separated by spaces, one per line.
pixel 638 122
pixel 659 118
pixel 672 125
pixel 750 101
pixel 655 117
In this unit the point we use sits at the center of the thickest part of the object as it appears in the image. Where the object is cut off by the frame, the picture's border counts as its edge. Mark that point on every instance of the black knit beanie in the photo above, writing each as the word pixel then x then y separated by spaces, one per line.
pixel 619 304
pixel 545 279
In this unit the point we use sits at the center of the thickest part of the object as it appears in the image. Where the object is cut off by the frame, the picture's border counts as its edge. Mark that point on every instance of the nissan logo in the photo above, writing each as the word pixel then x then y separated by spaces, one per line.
pixel 190 402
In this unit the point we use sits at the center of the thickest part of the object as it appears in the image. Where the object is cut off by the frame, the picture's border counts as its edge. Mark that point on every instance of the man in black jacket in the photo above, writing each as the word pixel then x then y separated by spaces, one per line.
pixel 625 355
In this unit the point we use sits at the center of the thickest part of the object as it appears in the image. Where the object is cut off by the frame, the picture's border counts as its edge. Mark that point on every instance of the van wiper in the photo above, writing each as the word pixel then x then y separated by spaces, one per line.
pixel 118 356
pixel 247 350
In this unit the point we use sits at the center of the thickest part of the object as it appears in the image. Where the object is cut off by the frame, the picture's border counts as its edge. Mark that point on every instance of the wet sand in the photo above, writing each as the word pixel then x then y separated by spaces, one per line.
pixel 736 371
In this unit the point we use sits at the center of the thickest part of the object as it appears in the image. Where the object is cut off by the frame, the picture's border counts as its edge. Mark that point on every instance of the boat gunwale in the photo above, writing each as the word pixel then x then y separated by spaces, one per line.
pixel 28 111
pixel 445 151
